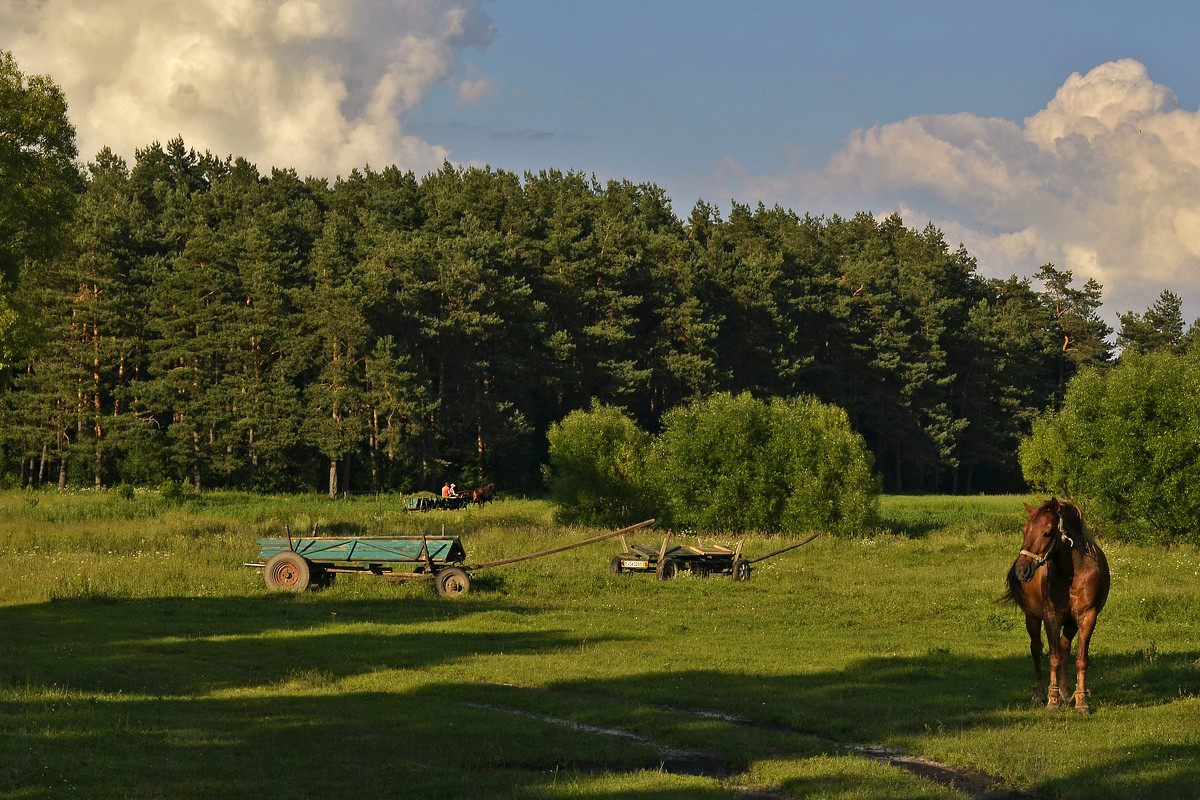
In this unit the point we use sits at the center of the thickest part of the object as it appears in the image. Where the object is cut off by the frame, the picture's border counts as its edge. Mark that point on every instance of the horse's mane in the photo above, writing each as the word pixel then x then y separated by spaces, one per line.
pixel 1072 517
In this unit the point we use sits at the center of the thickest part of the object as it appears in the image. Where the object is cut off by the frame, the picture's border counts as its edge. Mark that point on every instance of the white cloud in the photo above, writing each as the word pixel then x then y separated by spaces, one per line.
pixel 319 85
pixel 1104 181
pixel 476 87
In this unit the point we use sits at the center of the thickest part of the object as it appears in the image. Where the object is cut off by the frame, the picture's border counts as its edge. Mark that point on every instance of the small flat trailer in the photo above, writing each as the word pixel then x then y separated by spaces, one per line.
pixel 297 563
pixel 666 561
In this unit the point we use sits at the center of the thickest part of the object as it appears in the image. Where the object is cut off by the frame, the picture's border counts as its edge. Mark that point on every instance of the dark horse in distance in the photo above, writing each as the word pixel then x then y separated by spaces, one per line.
pixel 1060 580
pixel 481 494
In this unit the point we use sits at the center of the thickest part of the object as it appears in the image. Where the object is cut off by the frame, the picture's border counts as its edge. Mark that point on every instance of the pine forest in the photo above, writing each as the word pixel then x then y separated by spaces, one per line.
pixel 206 324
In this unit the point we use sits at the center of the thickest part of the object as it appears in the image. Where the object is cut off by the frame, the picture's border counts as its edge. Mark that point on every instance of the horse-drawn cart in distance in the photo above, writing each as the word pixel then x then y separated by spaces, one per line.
pixel 296 563
pixel 667 561
pixel 480 495
pixel 432 503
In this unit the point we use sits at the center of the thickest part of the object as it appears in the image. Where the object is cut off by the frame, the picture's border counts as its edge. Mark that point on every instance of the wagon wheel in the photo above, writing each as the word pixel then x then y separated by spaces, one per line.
pixel 287 572
pixel 615 566
pixel 667 568
pixel 741 569
pixel 452 581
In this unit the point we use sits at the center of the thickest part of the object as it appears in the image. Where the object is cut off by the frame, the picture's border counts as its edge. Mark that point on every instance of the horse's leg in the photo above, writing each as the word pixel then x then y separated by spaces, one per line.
pixel 1064 649
pixel 1054 639
pixel 1034 626
pixel 1087 624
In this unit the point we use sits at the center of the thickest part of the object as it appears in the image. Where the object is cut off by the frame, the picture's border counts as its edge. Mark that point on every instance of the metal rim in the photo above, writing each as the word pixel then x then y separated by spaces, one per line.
pixel 741 570
pixel 287 571
pixel 452 582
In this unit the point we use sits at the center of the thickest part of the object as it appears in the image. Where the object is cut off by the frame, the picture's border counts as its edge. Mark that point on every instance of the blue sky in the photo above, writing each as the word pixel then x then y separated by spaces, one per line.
pixel 664 91
pixel 1061 132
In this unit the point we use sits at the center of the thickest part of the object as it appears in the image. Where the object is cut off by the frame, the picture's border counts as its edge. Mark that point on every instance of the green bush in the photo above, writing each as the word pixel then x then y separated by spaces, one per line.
pixel 828 471
pixel 173 491
pixel 1127 444
pixel 737 464
pixel 596 470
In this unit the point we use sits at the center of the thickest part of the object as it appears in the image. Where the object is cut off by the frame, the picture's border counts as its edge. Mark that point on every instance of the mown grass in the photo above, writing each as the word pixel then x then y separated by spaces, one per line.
pixel 142 659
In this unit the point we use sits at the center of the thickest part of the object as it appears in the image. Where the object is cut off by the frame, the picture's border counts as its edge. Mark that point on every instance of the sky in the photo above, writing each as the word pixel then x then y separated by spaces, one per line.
pixel 1031 132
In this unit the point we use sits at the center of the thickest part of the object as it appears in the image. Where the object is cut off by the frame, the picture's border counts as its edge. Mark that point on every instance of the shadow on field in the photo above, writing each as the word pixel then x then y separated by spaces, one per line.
pixel 891 697
pixel 886 700
pixel 293 744
pixel 187 646
pixel 242 697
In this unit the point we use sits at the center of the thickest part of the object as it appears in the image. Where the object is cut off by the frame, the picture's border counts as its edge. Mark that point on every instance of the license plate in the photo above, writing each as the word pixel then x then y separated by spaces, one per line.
pixel 635 564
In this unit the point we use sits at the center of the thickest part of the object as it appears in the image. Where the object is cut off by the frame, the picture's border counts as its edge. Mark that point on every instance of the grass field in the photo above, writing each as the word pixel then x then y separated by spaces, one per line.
pixel 140 658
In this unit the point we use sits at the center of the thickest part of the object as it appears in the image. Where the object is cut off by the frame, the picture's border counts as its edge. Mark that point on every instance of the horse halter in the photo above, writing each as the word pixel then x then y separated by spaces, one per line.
pixel 1039 560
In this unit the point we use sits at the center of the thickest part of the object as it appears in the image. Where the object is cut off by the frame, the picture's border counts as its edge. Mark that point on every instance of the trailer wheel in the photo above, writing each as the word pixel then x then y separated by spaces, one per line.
pixel 615 566
pixel 287 572
pixel 667 568
pixel 741 569
pixel 452 581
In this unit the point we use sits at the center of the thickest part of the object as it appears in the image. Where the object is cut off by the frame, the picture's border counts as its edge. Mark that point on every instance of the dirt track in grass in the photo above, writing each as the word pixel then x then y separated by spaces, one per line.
pixel 977 785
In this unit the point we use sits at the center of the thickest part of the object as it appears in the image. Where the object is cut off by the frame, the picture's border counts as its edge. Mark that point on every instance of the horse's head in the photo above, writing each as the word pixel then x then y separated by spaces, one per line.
pixel 1043 534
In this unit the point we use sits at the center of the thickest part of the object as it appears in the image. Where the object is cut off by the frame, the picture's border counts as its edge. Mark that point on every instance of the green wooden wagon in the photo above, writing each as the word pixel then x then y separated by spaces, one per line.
pixel 298 563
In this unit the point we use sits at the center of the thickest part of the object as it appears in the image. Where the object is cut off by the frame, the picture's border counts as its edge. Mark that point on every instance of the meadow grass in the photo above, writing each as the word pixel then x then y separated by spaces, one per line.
pixel 143 659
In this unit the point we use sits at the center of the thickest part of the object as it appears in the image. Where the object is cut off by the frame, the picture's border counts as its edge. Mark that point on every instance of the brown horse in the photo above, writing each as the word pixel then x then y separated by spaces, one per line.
pixel 482 494
pixel 1059 580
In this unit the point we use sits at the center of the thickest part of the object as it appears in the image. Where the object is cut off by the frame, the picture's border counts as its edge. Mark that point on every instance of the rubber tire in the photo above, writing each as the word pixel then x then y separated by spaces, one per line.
pixel 667 569
pixel 287 572
pixel 741 569
pixel 615 566
pixel 452 581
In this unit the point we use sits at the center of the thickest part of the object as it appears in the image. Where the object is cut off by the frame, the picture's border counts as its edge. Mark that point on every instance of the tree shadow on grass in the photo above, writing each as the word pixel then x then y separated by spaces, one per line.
pixel 246 697
pixel 304 742
pixel 189 646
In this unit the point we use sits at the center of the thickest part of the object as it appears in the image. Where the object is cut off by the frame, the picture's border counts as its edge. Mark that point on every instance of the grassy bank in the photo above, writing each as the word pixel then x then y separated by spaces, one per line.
pixel 143 659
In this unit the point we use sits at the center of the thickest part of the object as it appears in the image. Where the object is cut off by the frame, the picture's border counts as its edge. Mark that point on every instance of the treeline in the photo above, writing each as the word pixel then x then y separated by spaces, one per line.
pixel 211 324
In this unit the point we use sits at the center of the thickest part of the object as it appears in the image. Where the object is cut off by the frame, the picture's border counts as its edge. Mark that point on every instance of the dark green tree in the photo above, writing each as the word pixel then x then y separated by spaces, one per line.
pixel 471 318
pixel 1160 328
pixel 335 421
pixel 398 407
pixel 1077 336
pixel 38 184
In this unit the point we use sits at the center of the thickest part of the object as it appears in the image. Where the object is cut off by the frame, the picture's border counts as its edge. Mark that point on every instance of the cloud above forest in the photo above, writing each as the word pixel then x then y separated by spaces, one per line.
pixel 1103 181
pixel 320 85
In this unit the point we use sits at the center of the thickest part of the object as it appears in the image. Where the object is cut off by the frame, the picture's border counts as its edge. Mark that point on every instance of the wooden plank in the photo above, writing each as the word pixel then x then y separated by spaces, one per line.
pixel 363 548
